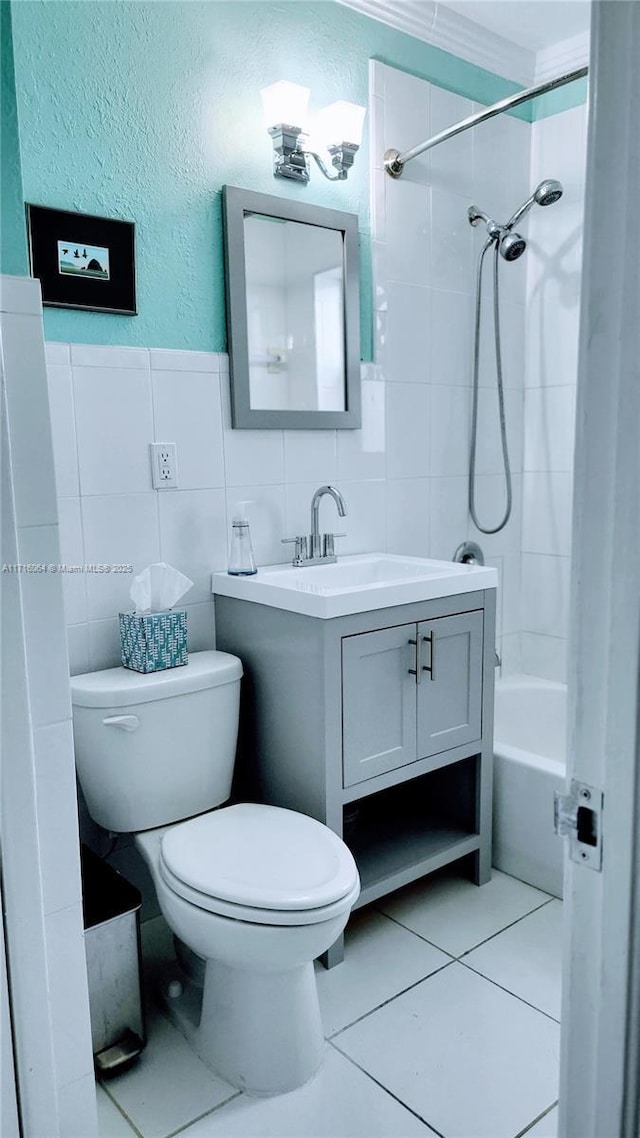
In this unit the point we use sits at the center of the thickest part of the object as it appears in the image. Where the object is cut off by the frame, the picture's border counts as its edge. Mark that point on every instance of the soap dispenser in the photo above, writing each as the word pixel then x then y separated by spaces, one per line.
pixel 242 563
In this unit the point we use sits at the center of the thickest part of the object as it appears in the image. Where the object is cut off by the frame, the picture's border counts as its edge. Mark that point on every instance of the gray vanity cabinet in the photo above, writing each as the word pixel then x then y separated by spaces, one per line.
pixel 337 721
pixel 410 692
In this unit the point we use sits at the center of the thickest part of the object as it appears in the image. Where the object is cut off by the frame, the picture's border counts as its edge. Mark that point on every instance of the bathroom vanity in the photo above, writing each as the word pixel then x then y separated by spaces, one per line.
pixel 369 706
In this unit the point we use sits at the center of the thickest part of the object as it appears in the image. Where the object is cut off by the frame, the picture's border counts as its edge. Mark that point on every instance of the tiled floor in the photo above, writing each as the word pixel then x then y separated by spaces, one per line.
pixel 443 1019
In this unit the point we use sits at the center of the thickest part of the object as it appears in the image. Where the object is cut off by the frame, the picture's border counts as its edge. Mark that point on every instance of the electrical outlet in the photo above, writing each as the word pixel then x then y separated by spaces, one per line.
pixel 164 466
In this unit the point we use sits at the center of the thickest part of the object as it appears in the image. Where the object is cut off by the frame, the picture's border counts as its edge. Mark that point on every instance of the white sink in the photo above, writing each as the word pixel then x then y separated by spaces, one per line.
pixel 355 584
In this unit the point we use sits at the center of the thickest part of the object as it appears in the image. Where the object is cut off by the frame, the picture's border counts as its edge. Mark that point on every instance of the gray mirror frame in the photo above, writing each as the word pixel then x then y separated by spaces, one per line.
pixel 236 203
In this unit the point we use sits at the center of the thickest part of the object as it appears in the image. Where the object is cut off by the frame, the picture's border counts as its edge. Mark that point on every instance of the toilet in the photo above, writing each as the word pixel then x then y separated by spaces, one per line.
pixel 252 893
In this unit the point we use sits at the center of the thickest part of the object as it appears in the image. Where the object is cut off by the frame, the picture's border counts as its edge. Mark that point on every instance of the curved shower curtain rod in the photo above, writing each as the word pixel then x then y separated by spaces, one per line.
pixel 395 162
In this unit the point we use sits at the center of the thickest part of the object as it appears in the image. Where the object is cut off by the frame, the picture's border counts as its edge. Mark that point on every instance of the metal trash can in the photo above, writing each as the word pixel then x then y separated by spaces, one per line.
pixel 111 908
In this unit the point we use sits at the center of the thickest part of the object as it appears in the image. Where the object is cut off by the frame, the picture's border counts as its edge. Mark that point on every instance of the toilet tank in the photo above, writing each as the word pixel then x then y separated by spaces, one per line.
pixel 151 749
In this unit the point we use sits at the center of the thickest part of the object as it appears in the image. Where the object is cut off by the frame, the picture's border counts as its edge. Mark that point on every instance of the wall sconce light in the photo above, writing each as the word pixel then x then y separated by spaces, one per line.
pixel 338 129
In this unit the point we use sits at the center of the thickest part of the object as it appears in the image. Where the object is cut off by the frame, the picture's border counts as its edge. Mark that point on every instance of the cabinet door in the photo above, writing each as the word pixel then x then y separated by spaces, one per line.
pixel 450 691
pixel 378 702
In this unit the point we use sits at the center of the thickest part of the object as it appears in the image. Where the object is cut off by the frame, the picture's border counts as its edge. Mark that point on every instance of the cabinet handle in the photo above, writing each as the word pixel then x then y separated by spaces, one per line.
pixel 431 666
pixel 417 671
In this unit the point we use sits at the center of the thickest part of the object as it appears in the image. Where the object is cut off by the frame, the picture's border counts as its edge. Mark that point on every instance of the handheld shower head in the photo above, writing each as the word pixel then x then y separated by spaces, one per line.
pixel 546 193
pixel 512 246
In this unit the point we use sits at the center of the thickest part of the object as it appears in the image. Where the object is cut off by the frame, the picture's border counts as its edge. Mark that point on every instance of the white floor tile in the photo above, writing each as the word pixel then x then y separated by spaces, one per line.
pixel 456 915
pixel 381 959
pixel 111 1123
pixel 168 1086
pixel 467 1057
pixel 339 1101
pixel 526 959
pixel 547 1127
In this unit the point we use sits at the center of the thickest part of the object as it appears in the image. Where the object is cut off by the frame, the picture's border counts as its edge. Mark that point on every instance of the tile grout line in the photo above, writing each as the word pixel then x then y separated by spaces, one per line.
pixel 205 1114
pixel 387 1091
pixel 508 992
pixel 120 1110
pixel 390 1000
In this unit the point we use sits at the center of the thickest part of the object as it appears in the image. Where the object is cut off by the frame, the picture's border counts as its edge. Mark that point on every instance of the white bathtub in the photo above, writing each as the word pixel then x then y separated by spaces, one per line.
pixel 529 765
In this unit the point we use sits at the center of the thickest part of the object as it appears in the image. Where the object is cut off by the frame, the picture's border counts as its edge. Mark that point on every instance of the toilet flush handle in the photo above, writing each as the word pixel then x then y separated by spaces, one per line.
pixel 126 722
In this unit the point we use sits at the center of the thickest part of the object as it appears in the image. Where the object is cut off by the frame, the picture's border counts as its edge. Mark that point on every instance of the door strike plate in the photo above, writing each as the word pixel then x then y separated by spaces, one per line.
pixel 578 817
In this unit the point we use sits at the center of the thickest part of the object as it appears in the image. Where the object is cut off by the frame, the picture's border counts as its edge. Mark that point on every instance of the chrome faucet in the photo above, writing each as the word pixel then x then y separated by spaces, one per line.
pixel 318 548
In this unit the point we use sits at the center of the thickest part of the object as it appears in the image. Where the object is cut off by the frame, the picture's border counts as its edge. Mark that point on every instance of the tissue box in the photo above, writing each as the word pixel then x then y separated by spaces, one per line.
pixel 152 641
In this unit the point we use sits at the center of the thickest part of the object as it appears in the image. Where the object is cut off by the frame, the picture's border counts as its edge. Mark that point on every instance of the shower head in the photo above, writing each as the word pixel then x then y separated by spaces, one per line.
pixel 546 193
pixel 512 246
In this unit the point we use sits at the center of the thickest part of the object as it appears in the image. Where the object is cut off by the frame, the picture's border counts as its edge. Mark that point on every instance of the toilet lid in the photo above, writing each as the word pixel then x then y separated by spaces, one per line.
pixel 261 857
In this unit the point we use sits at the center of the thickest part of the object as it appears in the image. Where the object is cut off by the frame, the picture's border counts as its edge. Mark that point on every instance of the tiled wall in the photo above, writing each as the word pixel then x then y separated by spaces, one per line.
pixel 108 404
pixel 425 257
pixel 40 855
pixel 553 304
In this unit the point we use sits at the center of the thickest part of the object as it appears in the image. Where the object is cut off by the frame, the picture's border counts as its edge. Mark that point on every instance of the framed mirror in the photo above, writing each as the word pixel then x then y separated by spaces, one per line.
pixel 293 312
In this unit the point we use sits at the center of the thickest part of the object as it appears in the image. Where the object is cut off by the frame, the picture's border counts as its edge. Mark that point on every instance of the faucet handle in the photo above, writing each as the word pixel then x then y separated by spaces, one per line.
pixel 300 552
pixel 328 547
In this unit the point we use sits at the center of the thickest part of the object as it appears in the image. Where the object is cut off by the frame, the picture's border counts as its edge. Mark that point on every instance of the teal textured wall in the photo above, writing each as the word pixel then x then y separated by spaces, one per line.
pixel 13 242
pixel 143 110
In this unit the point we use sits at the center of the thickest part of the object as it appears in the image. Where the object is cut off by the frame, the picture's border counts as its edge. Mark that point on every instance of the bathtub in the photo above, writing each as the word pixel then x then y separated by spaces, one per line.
pixel 529 765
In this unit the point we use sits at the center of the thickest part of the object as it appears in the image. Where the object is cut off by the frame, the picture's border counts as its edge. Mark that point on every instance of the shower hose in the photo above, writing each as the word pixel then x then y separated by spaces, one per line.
pixel 474 410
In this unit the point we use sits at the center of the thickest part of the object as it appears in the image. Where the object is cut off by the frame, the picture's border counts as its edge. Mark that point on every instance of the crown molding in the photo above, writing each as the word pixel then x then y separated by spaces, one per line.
pixel 438 25
pixel 561 57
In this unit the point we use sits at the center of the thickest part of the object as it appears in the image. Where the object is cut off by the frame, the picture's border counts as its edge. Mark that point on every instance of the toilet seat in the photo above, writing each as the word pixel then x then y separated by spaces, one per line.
pixel 260 864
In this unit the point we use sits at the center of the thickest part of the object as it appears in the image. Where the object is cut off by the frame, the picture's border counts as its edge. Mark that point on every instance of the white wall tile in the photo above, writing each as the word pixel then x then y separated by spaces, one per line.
pixel 407 248
pixel 201 628
pixel 298 496
pixel 449 516
pixel 57 815
pixel 450 422
pixel 20 295
pixel 451 245
pixel 28 409
pixel 497 564
pixel 549 428
pixel 63 429
pixel 118 529
pixel 310 456
pixel 509 650
pixel 408 516
pixel 362 454
pixel 43 617
pixel 266 514
pixel 558 150
pixel 405 355
pixel 165 359
pixel 451 339
pixel 547 512
pixel 193 537
pixel 104 644
pixel 78 648
pixel 544 656
pixel 452 163
pixel 545 594
pixel 408 430
pixel 406 120
pixel 489 457
pixel 74 586
pixel 511 572
pixel 67 999
pixel 490 500
pixel 365 524
pixel 57 355
pixel 187 411
pixel 501 144
pixel 108 356
pixel 114 424
pixel 250 457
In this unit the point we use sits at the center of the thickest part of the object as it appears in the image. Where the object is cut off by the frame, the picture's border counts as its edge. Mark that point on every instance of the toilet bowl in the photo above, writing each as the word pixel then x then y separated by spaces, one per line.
pixel 256 1019
pixel 256 892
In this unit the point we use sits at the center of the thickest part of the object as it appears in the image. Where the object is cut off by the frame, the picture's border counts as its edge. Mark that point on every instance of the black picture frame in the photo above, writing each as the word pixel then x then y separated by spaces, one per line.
pixel 83 261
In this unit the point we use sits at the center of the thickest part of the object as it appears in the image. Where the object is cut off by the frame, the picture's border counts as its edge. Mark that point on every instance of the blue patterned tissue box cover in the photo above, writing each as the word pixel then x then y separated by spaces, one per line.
pixel 152 641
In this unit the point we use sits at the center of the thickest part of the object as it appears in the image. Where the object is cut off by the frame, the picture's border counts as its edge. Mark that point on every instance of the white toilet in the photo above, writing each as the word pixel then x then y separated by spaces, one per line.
pixel 255 891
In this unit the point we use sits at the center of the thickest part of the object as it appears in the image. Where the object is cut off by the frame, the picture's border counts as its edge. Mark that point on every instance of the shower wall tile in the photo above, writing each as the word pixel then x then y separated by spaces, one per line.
pixel 497 564
pixel 501 165
pixel 450 424
pixel 451 257
pixel 490 506
pixel 511 601
pixel 406 120
pixel 362 453
pixel 451 164
pixel 451 338
pixel 558 146
pixel 549 428
pixel 407 437
pixel 547 513
pixel 489 458
pixel 449 516
pixel 408 510
pixel 544 656
pixel 545 594
pixel 405 353
pixel 408 256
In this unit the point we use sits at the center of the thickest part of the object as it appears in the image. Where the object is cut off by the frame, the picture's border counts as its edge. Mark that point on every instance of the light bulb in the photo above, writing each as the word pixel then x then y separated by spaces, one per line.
pixel 340 122
pixel 285 102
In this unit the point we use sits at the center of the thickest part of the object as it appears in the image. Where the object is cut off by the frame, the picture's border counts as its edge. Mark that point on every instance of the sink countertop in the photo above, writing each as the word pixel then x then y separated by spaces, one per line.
pixel 357 583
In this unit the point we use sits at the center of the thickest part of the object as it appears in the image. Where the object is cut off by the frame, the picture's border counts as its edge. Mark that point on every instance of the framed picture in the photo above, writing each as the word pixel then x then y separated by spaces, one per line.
pixel 83 261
